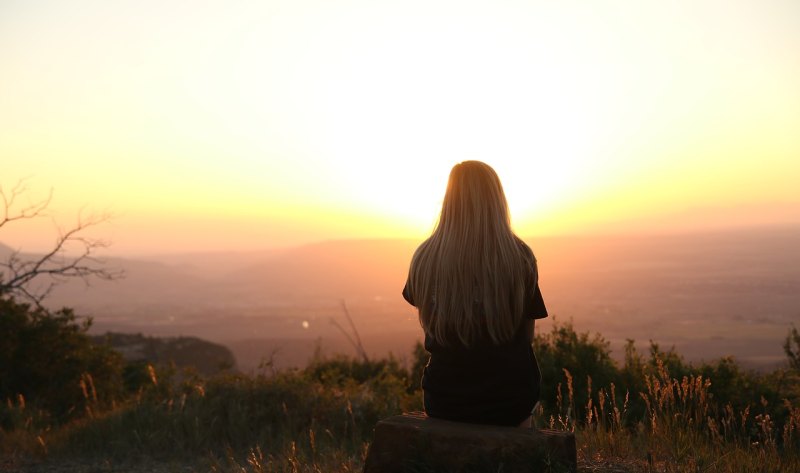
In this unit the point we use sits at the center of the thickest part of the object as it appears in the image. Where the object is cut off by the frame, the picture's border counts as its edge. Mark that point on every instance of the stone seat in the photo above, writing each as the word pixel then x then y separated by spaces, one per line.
pixel 413 442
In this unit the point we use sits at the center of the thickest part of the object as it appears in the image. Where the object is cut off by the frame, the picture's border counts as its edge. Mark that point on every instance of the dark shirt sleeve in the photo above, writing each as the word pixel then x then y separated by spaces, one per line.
pixel 407 295
pixel 534 306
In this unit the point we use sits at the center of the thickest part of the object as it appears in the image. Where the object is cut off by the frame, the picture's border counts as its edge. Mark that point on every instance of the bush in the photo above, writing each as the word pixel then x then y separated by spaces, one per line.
pixel 586 359
pixel 48 361
pixel 341 369
pixel 321 418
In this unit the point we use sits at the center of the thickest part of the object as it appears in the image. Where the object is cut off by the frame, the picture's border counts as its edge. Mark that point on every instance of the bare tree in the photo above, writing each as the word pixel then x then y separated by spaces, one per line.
pixel 791 346
pixel 355 340
pixel 73 254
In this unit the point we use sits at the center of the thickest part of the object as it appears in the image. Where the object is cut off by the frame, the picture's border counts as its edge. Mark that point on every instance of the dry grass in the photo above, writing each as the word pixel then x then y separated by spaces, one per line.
pixel 321 419
pixel 681 430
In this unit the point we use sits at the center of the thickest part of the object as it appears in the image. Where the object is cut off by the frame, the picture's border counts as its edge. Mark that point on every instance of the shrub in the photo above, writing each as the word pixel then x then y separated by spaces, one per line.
pixel 586 360
pixel 341 369
pixel 48 360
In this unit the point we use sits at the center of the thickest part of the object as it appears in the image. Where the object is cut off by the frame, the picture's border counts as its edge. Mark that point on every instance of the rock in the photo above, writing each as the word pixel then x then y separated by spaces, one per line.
pixel 416 443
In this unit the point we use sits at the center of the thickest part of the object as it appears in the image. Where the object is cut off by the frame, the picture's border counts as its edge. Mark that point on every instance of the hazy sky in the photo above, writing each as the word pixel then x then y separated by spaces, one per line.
pixel 235 124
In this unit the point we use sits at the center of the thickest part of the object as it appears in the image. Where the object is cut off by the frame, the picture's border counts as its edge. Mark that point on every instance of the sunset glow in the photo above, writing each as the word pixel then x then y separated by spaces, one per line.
pixel 259 124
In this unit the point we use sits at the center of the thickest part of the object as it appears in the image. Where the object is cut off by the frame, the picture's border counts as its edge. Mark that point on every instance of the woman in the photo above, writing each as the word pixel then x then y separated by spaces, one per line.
pixel 475 284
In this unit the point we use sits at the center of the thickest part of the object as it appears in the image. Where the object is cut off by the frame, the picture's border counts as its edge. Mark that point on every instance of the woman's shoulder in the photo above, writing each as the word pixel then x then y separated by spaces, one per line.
pixel 422 246
pixel 526 250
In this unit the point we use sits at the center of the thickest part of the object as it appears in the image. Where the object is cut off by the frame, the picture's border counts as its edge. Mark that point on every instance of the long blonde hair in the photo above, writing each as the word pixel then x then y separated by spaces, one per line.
pixel 468 279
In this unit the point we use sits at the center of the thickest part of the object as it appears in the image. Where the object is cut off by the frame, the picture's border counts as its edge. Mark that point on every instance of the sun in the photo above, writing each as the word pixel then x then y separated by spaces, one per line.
pixel 393 114
pixel 367 114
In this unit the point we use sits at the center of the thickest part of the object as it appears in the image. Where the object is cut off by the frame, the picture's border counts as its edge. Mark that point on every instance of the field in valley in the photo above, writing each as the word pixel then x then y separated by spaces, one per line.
pixel 709 295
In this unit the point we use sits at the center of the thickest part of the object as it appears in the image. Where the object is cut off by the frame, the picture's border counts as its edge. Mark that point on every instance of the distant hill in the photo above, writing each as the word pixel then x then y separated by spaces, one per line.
pixel 710 294
pixel 184 352
pixel 332 269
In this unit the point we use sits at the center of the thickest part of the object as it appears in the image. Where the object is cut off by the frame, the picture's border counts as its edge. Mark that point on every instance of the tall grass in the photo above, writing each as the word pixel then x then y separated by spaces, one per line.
pixel 641 417
pixel 681 429
pixel 317 419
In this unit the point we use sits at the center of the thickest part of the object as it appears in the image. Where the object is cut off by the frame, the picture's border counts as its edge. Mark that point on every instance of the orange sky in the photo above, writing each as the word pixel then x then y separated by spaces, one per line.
pixel 239 125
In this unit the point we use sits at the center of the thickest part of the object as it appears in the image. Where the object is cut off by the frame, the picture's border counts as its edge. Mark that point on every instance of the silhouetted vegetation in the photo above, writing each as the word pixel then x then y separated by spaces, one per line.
pixel 653 412
pixel 184 352
pixel 74 255
pixel 50 365
pixel 792 348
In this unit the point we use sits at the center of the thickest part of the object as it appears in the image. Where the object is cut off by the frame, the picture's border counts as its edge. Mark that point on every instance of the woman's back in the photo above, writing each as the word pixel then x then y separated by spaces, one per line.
pixel 475 284
pixel 485 383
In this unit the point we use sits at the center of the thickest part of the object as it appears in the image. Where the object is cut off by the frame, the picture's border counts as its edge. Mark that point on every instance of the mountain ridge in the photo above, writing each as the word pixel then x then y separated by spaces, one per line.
pixel 709 294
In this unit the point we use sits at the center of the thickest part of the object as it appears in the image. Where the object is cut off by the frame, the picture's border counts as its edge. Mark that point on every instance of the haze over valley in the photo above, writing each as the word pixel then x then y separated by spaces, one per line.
pixel 709 294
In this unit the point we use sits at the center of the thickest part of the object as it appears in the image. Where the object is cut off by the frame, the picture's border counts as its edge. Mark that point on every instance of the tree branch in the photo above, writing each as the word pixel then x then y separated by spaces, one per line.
pixel 357 345
pixel 32 210
pixel 73 255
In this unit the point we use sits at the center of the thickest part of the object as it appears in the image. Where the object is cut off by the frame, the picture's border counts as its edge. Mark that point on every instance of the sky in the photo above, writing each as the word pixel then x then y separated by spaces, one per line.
pixel 238 125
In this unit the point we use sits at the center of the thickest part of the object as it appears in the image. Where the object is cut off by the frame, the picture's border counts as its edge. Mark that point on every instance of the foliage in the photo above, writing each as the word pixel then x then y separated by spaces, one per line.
pixel 340 370
pixel 48 362
pixel 641 416
pixel 289 418
pixel 792 348
pixel 139 350
pixel 585 359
